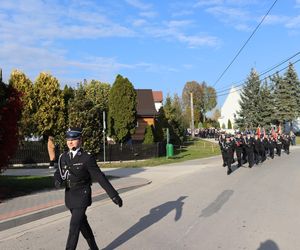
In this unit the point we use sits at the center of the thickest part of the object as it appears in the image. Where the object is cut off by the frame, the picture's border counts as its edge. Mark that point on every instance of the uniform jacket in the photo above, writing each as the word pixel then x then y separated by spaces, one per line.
pixel 82 169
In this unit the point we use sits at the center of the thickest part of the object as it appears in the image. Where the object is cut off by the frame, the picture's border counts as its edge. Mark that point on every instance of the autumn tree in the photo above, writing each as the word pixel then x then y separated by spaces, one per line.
pixel 24 86
pixel 10 111
pixel 49 109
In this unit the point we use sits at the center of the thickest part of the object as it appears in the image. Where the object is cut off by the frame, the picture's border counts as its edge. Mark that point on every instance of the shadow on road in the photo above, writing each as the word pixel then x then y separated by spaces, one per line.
pixel 268 245
pixel 155 215
pixel 217 204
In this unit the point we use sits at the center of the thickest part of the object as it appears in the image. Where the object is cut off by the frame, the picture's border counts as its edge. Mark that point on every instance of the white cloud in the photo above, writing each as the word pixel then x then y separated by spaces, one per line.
pixel 293 23
pixel 204 3
pixel 139 4
pixel 149 14
pixel 139 22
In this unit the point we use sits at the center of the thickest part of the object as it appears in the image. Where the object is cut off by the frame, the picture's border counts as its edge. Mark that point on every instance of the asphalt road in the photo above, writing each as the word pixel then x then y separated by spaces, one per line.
pixel 190 205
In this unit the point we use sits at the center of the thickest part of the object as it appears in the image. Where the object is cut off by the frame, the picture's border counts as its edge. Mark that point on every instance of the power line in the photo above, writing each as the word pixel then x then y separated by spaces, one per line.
pixel 218 95
pixel 240 50
pixel 265 72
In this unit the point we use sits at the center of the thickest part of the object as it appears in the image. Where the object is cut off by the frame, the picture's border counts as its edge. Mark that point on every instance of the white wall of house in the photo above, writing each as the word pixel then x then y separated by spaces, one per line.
pixel 230 107
pixel 158 105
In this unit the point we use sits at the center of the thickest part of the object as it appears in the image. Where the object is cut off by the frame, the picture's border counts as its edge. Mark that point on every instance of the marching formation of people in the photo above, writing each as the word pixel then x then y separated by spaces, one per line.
pixel 252 148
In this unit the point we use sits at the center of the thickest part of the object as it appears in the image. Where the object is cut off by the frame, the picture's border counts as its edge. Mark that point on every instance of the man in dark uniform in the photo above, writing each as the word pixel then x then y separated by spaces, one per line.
pixel 221 140
pixel 262 149
pixel 286 142
pixel 227 149
pixel 76 169
pixel 272 145
pixel 257 149
pixel 278 145
pixel 249 149
pixel 244 148
pixel 239 143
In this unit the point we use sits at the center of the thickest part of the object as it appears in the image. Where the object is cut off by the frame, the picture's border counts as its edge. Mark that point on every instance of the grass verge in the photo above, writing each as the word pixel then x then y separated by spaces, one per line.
pixel 195 149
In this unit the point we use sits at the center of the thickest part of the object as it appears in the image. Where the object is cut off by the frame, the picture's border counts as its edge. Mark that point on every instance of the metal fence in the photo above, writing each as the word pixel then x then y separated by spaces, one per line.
pixel 36 152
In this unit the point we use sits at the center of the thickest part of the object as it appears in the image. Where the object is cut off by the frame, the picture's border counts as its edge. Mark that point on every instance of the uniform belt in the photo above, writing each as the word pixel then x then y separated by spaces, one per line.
pixel 71 184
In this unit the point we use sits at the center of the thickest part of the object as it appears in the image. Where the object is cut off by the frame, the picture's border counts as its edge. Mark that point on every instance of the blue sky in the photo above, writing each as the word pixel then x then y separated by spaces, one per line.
pixel 156 44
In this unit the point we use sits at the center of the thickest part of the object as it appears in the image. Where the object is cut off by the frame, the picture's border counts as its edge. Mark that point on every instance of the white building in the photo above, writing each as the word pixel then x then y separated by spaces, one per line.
pixel 230 107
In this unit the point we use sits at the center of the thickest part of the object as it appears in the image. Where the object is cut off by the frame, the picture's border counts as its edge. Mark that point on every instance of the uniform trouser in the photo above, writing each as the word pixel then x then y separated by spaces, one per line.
pixel 79 224
pixel 256 156
pixel 271 150
pixel 238 152
pixel 228 159
pixel 244 155
pixel 224 158
pixel 250 157
pixel 262 154
pixel 232 156
pixel 278 149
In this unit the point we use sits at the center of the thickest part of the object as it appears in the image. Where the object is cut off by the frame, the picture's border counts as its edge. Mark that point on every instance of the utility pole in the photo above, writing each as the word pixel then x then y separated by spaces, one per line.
pixel 104 128
pixel 192 116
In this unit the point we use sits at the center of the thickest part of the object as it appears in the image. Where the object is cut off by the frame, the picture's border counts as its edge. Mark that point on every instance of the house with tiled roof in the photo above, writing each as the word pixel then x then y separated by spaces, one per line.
pixel 158 99
pixel 146 112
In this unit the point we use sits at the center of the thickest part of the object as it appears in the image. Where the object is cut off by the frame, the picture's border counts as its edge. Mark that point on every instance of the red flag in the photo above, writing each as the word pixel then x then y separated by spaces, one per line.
pixel 258 131
pixel 273 131
pixel 279 129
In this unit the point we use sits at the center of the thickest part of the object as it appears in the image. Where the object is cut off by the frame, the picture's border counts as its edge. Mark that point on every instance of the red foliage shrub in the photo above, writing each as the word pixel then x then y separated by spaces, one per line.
pixel 10 111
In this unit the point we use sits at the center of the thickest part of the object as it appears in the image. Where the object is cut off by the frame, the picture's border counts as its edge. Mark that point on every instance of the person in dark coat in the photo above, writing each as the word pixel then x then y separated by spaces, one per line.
pixel 278 145
pixel 249 142
pixel 266 144
pixel 286 142
pixel 244 149
pixel 257 149
pixel 272 145
pixel 76 170
pixel 239 143
pixel 227 149
pixel 221 140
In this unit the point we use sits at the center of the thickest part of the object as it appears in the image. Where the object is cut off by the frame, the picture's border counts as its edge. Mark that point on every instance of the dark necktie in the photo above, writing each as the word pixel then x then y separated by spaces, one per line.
pixel 71 155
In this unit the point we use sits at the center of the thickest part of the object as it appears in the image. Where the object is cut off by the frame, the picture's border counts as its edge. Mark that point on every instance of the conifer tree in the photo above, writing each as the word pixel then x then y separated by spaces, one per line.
pixel 149 136
pixel 285 98
pixel 122 109
pixel 266 106
pixel 248 116
pixel 291 80
pixel 229 125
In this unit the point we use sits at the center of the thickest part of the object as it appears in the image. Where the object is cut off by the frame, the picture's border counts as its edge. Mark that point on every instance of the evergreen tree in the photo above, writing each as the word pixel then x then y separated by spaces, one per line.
pixel 149 135
pixel 122 109
pixel 292 82
pixel 160 124
pixel 248 116
pixel 22 84
pixel 266 106
pixel 285 97
pixel 229 125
